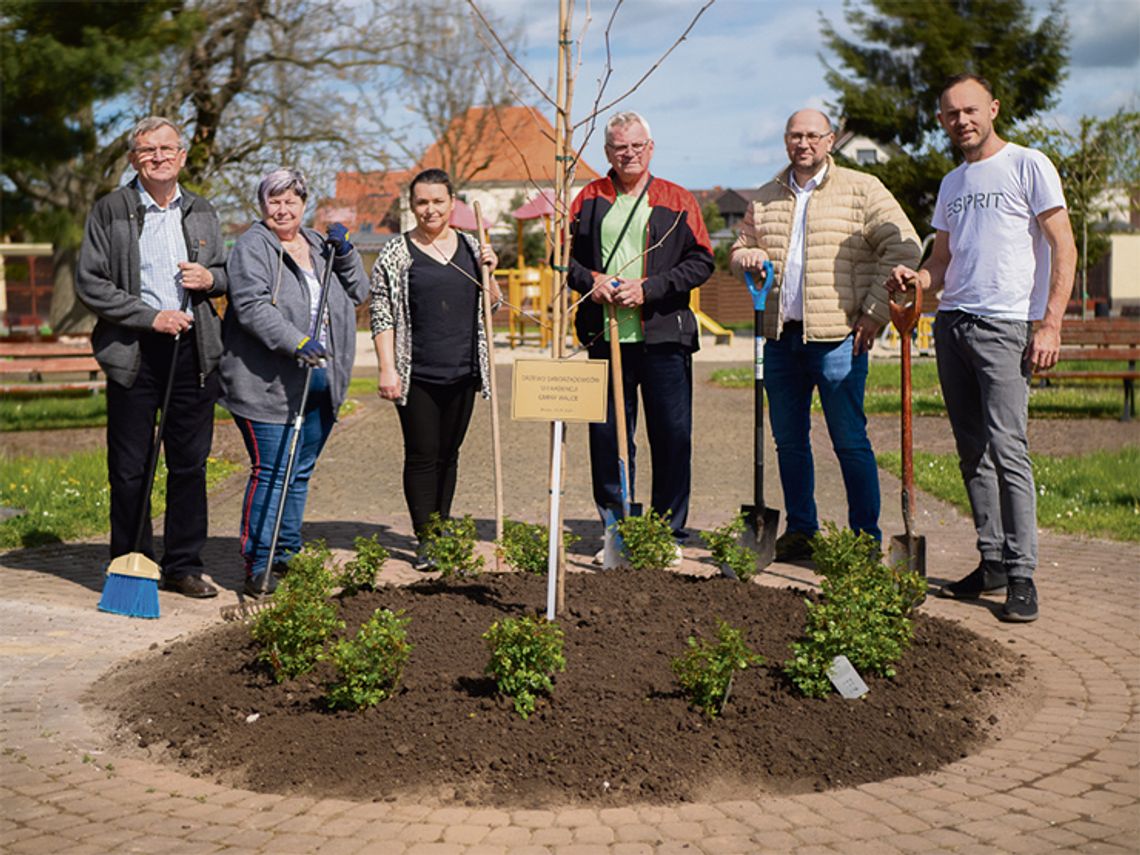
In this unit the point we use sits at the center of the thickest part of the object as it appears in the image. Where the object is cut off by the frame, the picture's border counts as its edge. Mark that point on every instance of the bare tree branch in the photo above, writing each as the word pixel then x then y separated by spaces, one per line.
pixel 652 68
pixel 510 55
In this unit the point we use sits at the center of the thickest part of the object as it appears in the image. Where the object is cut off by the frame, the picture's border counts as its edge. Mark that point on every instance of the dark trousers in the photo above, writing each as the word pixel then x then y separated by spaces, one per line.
pixel 985 383
pixel 434 421
pixel 664 375
pixel 189 433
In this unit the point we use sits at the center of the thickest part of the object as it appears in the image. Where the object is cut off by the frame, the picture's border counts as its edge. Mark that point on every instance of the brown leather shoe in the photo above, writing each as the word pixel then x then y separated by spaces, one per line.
pixel 190 586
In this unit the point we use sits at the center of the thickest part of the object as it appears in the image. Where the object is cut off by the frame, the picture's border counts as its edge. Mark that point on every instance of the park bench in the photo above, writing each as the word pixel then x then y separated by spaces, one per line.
pixel 1100 340
pixel 41 366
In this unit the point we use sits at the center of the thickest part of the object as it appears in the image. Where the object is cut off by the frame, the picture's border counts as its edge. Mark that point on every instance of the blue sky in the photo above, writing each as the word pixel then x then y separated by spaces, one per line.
pixel 718 104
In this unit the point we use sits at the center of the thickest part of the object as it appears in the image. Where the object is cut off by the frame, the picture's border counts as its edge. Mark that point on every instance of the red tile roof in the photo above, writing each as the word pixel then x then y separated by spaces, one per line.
pixel 511 145
pixel 486 145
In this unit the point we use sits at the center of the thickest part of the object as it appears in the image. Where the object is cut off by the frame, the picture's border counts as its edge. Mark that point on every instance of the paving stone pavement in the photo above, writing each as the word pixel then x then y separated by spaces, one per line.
pixel 1068 780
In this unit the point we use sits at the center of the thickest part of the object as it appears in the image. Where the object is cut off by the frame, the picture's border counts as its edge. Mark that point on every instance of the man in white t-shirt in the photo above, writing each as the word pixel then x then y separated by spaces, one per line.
pixel 1005 257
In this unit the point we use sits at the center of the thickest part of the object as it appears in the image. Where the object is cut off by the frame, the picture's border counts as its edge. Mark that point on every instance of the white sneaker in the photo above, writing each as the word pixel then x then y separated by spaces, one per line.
pixel 600 557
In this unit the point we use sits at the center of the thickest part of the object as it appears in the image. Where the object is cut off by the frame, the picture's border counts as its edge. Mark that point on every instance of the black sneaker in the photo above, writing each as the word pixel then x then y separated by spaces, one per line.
pixel 422 563
pixel 793 546
pixel 252 587
pixel 989 577
pixel 1020 601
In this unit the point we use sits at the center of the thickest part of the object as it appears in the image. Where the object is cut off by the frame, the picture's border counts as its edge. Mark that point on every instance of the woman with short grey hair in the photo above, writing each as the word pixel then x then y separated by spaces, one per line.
pixel 281 181
pixel 272 335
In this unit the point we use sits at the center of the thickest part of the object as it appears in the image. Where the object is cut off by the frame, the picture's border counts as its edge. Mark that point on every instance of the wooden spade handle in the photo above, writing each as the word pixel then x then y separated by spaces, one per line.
pixel 904 315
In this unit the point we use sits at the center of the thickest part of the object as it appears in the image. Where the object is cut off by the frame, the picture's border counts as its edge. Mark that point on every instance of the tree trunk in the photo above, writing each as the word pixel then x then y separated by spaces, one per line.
pixel 68 315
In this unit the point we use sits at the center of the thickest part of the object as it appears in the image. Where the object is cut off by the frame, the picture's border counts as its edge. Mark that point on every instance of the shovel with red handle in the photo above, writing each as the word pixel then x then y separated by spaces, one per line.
pixel 907 549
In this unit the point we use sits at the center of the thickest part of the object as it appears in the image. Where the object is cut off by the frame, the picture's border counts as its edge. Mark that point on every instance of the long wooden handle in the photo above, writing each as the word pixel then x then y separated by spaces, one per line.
pixel 496 442
pixel 619 409
pixel 907 440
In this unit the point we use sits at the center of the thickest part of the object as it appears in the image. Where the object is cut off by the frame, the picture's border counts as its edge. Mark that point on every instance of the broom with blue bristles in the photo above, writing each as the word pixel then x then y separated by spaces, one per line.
pixel 131 587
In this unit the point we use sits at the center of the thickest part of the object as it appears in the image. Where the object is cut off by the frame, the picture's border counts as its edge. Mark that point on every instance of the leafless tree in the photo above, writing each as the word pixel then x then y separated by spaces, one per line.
pixel 306 83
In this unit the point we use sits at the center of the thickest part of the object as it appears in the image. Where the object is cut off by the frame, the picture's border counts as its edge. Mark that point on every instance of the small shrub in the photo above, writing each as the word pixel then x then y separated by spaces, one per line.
pixel 450 546
pixel 837 551
pixel 525 546
pixel 525 654
pixel 706 670
pixel 310 570
pixel 726 548
pixel 862 614
pixel 370 665
pixel 360 573
pixel 649 541
pixel 293 633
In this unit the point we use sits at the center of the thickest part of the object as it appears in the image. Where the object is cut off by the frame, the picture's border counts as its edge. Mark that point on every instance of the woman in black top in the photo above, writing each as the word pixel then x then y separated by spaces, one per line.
pixel 430 342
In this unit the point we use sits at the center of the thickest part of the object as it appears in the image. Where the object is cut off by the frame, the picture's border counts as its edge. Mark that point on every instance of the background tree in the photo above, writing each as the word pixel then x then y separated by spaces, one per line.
pixel 1099 157
pixel 445 70
pixel 57 62
pixel 714 221
pixel 255 83
pixel 891 72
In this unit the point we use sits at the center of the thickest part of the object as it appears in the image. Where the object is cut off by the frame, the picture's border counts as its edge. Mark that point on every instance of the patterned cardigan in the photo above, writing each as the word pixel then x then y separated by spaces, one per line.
pixel 389 309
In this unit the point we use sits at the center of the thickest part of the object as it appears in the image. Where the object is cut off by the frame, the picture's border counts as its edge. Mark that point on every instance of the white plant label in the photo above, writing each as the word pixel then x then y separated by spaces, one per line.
pixel 845 678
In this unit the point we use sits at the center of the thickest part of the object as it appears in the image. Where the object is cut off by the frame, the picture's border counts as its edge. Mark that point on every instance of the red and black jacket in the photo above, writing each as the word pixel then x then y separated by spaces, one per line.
pixel 680 260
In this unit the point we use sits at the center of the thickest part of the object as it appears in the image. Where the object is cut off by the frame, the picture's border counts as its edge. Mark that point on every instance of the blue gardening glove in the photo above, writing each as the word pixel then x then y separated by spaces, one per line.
pixel 310 352
pixel 338 239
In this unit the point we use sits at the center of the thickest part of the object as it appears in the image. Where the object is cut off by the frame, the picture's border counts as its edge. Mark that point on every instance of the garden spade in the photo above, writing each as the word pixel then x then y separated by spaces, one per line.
pixel 761 523
pixel 612 547
pixel 907 549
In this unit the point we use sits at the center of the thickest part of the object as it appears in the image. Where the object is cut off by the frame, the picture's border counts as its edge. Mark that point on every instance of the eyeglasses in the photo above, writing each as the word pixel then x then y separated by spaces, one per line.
pixel 629 148
pixel 149 152
pixel 811 138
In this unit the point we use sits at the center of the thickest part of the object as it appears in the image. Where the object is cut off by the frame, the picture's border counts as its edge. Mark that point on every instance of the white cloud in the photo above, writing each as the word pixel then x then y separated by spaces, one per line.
pixel 719 102
pixel 1106 33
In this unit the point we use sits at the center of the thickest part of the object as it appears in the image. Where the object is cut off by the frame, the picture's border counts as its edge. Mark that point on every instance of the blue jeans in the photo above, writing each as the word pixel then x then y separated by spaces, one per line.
pixel 792 368
pixel 268 447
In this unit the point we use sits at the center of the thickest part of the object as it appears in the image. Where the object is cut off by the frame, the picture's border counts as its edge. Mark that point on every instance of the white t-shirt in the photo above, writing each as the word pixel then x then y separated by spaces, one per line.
pixel 314 284
pixel 1000 259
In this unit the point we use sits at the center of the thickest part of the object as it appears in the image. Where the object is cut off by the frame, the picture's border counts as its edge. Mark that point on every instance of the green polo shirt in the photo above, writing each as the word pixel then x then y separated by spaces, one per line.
pixel 627 261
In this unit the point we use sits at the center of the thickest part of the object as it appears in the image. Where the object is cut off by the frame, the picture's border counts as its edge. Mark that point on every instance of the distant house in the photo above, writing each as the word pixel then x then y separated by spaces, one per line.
pixel 862 150
pixel 499 157
pixel 732 204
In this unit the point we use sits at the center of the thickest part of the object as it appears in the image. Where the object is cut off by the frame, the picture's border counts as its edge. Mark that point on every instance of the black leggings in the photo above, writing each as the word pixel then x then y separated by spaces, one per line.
pixel 434 421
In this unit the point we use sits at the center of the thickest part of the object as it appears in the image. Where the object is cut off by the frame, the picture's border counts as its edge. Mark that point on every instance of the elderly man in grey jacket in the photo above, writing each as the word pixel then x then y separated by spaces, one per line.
pixel 151 259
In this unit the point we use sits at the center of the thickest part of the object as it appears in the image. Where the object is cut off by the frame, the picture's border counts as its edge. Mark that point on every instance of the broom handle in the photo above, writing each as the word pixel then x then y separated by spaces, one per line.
pixel 152 461
pixel 496 441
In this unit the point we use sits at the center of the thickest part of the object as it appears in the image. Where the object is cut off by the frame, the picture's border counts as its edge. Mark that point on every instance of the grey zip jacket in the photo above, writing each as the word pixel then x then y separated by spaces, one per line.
pixel 268 318
pixel 107 281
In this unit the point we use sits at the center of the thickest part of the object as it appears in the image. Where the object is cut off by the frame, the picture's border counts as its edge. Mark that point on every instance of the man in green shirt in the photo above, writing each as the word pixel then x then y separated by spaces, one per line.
pixel 639 243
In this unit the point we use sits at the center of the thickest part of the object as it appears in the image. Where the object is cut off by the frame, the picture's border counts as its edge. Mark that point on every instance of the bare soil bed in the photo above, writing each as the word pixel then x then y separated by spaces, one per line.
pixel 616 729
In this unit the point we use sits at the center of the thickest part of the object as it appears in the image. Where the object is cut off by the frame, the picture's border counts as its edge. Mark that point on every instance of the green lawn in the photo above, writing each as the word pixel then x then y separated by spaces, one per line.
pixel 1094 494
pixel 1097 399
pixel 58 412
pixel 67 498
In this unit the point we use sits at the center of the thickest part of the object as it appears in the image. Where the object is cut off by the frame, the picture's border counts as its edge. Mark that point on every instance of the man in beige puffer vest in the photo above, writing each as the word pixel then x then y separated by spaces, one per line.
pixel 832 235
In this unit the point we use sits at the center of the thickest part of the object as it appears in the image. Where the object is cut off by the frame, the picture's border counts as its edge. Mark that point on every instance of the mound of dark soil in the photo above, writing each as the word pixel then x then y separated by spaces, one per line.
pixel 616 729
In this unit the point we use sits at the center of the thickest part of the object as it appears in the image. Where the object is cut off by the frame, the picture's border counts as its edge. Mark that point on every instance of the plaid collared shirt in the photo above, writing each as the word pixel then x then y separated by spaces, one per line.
pixel 161 247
